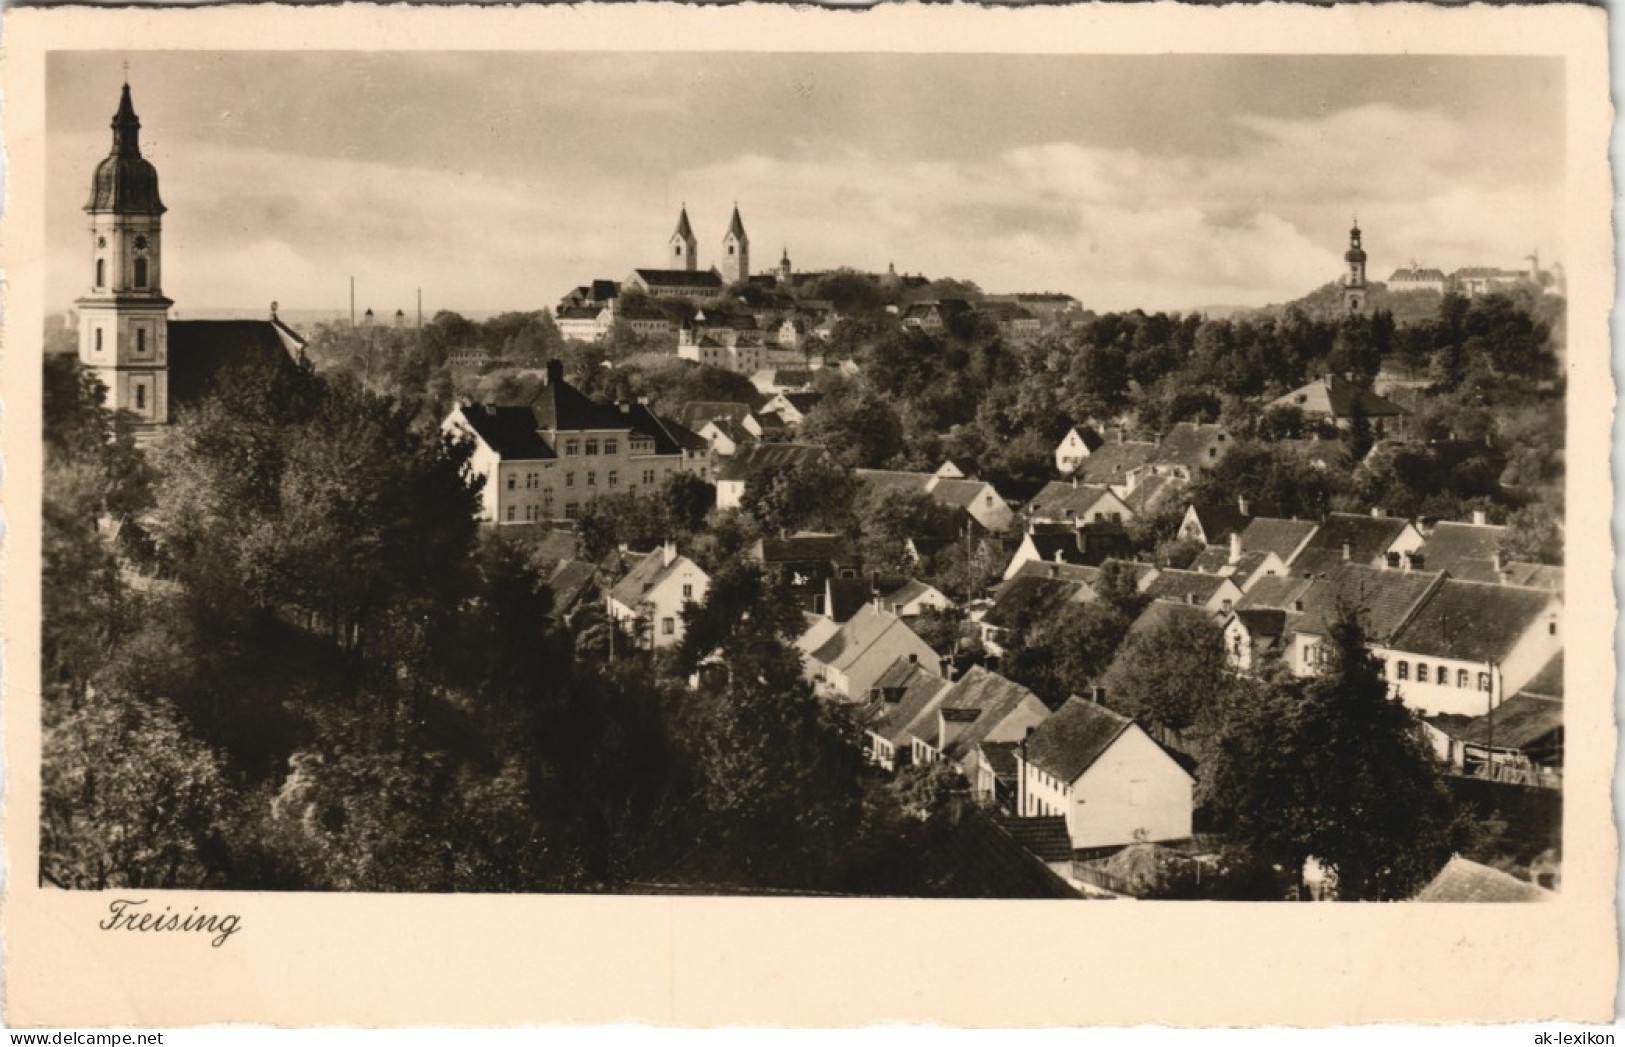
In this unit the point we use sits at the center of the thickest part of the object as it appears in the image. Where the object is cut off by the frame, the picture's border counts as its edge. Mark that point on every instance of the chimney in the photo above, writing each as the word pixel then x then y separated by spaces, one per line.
pixel 1097 694
pixel 1235 547
pixel 913 658
pixel 1241 505
pixel 668 553
pixel 273 310
pixel 1190 598
pixel 1415 560
pixel 1297 605
pixel 1500 561
pixel 1347 550
pixel 555 372
pixel 1478 518
pixel 1378 512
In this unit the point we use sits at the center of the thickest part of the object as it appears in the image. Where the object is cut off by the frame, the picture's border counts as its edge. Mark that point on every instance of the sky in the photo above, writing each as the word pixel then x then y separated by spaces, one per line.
pixel 500 181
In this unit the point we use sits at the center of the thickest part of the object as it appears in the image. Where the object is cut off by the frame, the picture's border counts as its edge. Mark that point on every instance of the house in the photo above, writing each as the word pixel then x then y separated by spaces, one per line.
pixel 544 459
pixel 1384 600
pixel 1213 593
pixel 653 594
pixel 792 407
pixel 804 562
pixel 696 413
pixel 1374 540
pixel 1252 635
pixel 596 295
pixel 1088 545
pixel 1464 880
pixel 846 665
pixel 1036 590
pixel 1189 448
pixel 1213 523
pixel 1471 645
pixel 1276 592
pixel 1234 562
pixel 725 436
pixel 1015 321
pixel 1474 280
pixel 760 460
pixel 1118 464
pixel 908 597
pixel 1284 538
pixel 906 693
pixel 990 768
pixel 1150 493
pixel 1046 837
pixel 979 707
pixel 933 317
pixel 1469 551
pixel 770 381
pixel 573 583
pixel 1105 775
pixel 676 283
pixel 1520 740
pixel 1336 399
pixel 1414 278
pixel 1070 501
pixel 980 501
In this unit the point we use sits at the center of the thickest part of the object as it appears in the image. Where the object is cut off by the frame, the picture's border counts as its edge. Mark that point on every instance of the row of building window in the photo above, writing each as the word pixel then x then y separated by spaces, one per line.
pixel 533 480
pixel 536 513
pixel 140 339
pixel 140 273
pixel 573 448
pixel 1441 677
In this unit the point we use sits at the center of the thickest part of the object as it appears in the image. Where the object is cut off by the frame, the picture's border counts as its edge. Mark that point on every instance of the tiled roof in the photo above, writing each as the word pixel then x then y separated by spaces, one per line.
pixel 867 629
pixel 1028 591
pixel 1452 543
pixel 697 280
pixel 1263 622
pixel 570 581
pixel 561 407
pixel 1517 723
pixel 1220 520
pixel 1183 586
pixel 1152 492
pixel 1368 538
pixel 510 430
pixel 1278 591
pixel 654 569
pixel 1112 462
pixel 1045 836
pixel 846 596
pixel 200 351
pixel 1472 621
pixel 1462 880
pixel 1090 438
pixel 991 697
pixel 670 437
pixel 1063 498
pixel 958 494
pixel 917 689
pixel 756 459
pixel 1385 599
pixel 1403 275
pixel 1274 535
pixel 1336 396
pixel 1076 573
pixel 805 547
pixel 1071 740
pixel 909 590
pixel 1187 445
pixel 1000 757
pixel 881 482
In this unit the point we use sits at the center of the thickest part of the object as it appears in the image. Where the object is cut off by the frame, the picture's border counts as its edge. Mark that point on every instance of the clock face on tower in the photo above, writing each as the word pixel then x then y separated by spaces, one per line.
pixel 101 241
pixel 141 242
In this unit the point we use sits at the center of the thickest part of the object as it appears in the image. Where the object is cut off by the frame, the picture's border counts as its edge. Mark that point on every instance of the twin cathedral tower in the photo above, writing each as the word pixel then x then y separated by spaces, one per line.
pixel 735 267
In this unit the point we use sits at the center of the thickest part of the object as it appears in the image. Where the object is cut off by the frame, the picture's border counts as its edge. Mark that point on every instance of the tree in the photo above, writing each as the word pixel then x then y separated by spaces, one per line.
pixel 1171 674
pixel 1333 768
pixel 1534 533
pixel 813 492
pixel 862 431
pixel 1064 652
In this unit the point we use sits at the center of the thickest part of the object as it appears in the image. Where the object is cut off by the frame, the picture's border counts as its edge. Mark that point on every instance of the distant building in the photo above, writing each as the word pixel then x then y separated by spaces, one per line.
pixel 1415 278
pixel 545 459
pixel 1337 399
pixel 653 594
pixel 1355 291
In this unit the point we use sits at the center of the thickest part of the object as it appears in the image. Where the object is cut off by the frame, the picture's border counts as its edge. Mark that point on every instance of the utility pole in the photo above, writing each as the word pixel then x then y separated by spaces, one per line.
pixel 420 308
pixel 352 301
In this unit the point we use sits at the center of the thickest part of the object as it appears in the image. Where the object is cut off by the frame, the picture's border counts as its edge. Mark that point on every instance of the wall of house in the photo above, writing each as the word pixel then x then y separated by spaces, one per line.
pixel 1238 646
pixel 670 597
pixel 1134 788
pixel 729 493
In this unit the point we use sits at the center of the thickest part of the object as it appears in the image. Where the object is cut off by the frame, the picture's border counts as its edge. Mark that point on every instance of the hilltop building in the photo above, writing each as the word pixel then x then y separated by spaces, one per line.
pixel 1354 286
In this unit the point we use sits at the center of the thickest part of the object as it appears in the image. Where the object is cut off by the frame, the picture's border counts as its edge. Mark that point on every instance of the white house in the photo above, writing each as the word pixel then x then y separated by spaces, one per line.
pixel 1076 503
pixel 1105 775
pixel 653 594
pixel 1079 443
pixel 847 663
pixel 753 460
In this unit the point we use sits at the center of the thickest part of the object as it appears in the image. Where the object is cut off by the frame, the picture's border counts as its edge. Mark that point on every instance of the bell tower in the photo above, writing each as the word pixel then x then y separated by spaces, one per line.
pixel 736 251
pixel 683 245
pixel 1354 289
pixel 124 320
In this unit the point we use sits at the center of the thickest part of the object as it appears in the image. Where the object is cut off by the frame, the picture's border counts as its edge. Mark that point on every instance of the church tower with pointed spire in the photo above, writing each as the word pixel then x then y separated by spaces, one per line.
pixel 736 251
pixel 683 244
pixel 124 320
pixel 1354 288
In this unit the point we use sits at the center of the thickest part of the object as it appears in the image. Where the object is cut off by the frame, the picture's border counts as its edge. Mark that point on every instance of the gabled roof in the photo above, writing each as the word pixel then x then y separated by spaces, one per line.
pixel 630 590
pixel 509 430
pixel 1338 397
pixel 1046 836
pixel 561 407
pixel 1264 623
pixel 906 591
pixel 1452 545
pixel 1276 591
pixel 1220 520
pixel 1535 576
pixel 570 582
pixel 1519 722
pixel 918 690
pixel 1071 740
pixel 1112 462
pixel 1056 547
pixel 1087 435
pixel 869 629
pixel 959 494
pixel 695 280
pixel 1416 274
pixel 1472 621
pixel 1275 535
pixel 1186 586
pixel 804 547
pixel 1000 757
pixel 200 351
pixel 1030 590
pixel 1368 538
pixel 1385 599
pixel 1078 574
pixel 990 697
pixel 803 402
pixel 846 596
pixel 882 482
pixel 670 437
pixel 1151 492
pixel 1063 498
pixel 1214 559
pixel 696 413
pixel 1187 445
pixel 756 459
pixel 1462 880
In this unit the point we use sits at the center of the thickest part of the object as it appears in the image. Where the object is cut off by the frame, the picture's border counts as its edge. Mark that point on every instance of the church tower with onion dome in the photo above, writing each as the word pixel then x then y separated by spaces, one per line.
pixel 124 320
pixel 1354 289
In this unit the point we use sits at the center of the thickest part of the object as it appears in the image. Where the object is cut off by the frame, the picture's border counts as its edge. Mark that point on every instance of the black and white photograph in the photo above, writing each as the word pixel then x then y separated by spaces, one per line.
pixel 804 475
